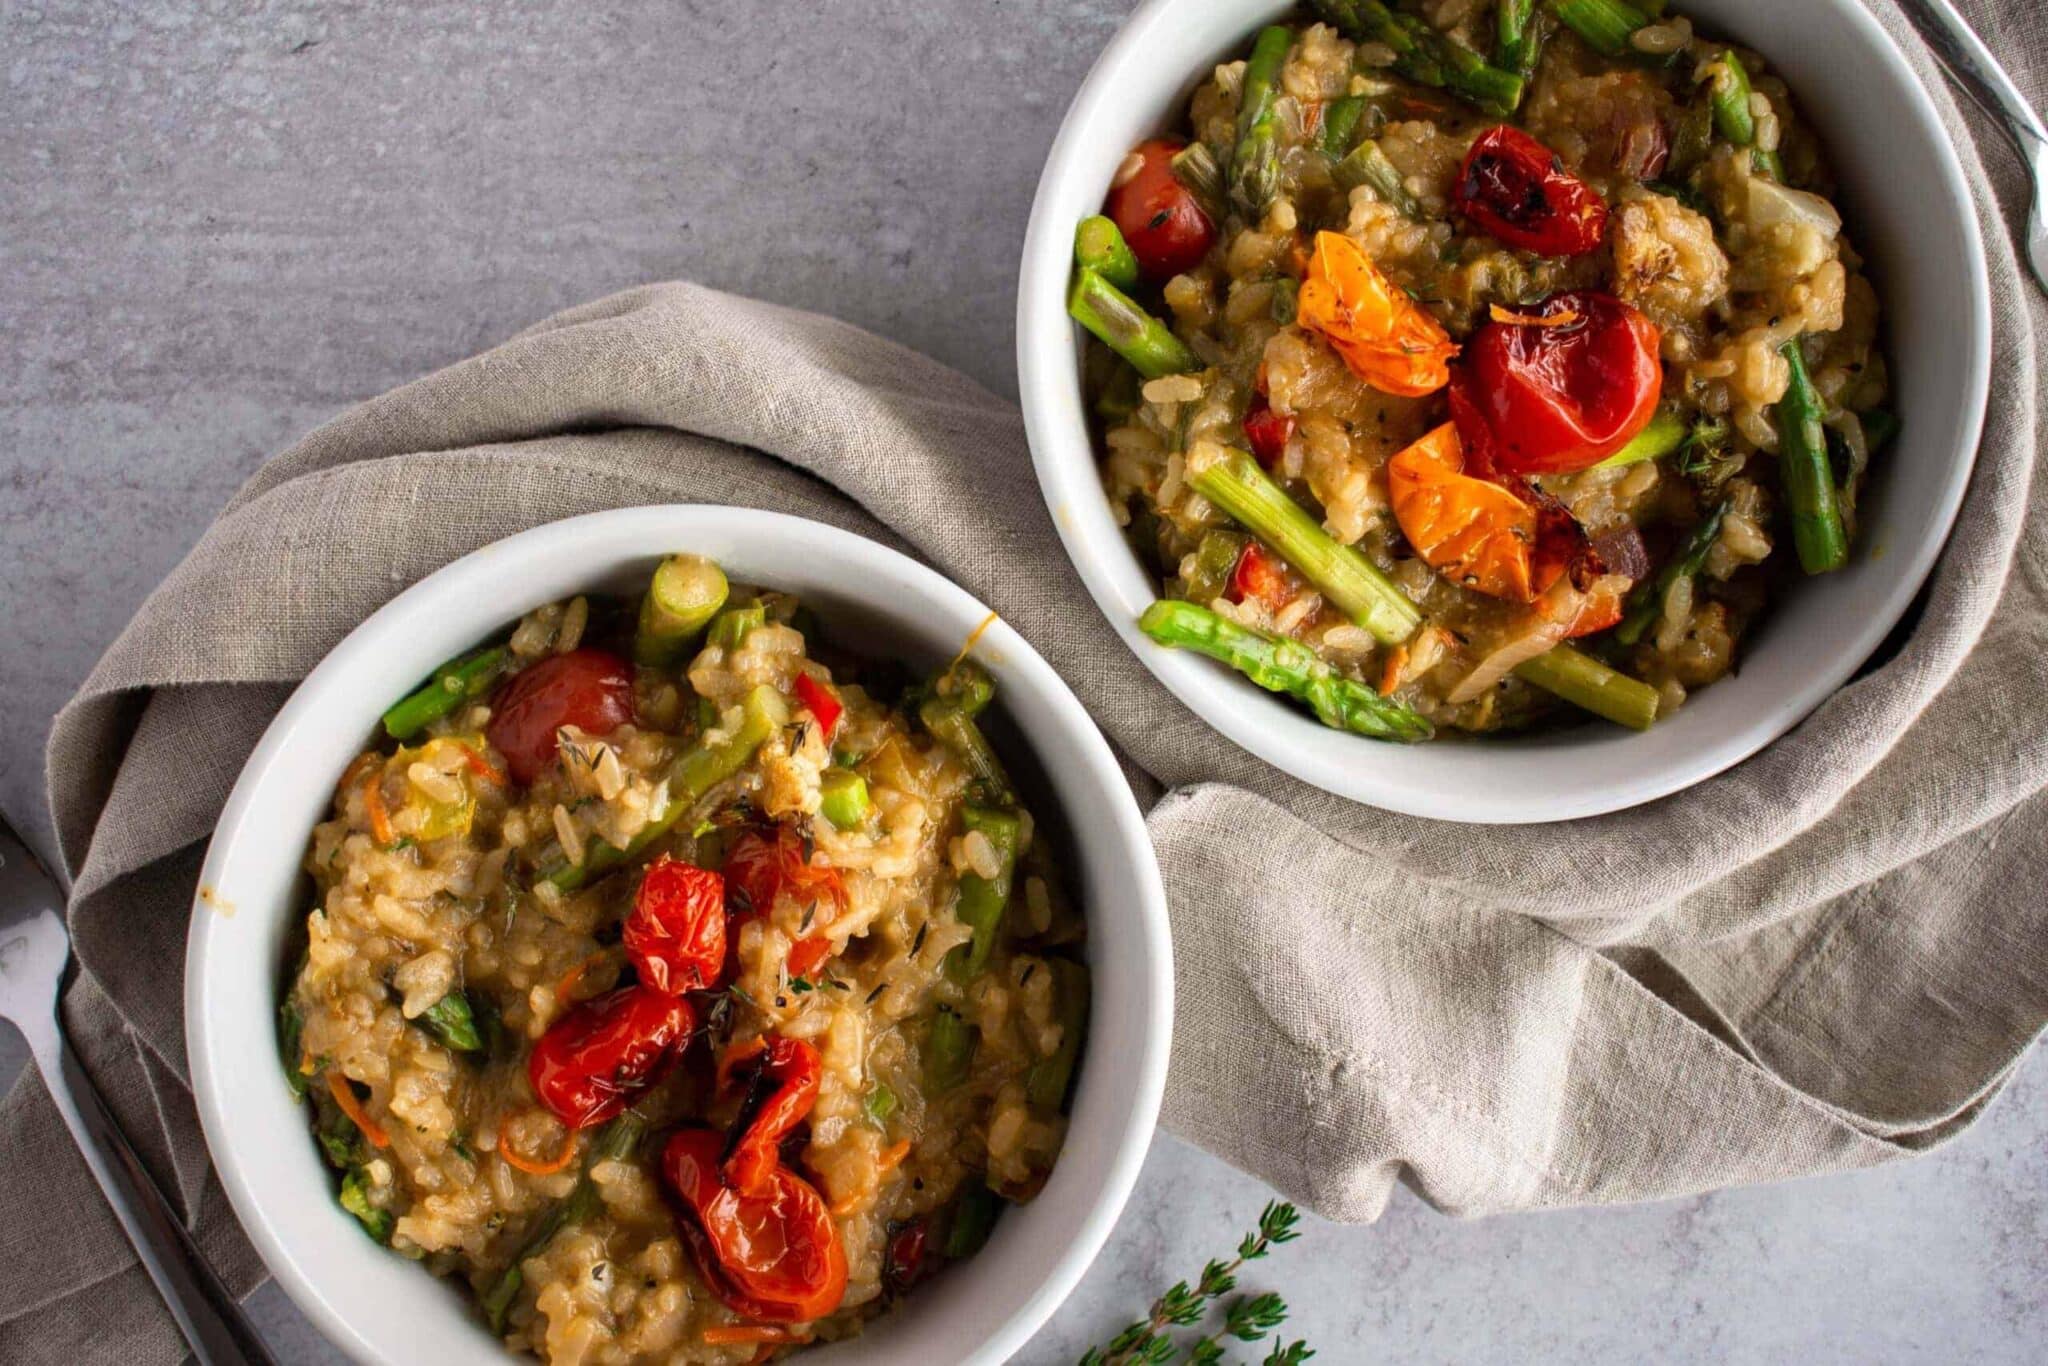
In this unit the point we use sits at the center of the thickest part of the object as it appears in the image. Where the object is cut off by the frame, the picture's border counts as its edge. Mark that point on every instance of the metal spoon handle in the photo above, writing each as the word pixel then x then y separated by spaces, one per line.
pixel 206 1313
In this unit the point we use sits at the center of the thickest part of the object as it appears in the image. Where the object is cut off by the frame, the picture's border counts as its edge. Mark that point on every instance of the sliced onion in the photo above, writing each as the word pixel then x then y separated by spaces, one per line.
pixel 1541 635
pixel 1771 203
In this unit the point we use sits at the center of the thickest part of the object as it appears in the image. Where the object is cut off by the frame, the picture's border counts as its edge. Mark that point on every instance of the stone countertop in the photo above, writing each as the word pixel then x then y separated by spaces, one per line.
pixel 222 228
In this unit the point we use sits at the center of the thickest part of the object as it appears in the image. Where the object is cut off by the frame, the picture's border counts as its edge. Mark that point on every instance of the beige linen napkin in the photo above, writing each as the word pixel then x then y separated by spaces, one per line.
pixel 1825 958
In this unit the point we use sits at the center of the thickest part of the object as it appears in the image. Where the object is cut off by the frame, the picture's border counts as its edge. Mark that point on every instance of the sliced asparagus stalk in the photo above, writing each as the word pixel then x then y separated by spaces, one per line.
pixel 685 593
pixel 1664 433
pixel 460 680
pixel 1425 55
pixel 1255 164
pixel 1100 247
pixel 1817 530
pixel 1049 1079
pixel 982 900
pixel 1585 682
pixel 1647 601
pixel 1126 328
pixel 616 1143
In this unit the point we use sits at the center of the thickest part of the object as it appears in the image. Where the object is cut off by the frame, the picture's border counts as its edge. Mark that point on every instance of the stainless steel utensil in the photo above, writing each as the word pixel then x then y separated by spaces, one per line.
pixel 1977 74
pixel 34 952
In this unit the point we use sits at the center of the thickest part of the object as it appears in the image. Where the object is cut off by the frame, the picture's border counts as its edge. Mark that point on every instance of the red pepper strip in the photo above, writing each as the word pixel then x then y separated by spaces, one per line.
pixel 819 702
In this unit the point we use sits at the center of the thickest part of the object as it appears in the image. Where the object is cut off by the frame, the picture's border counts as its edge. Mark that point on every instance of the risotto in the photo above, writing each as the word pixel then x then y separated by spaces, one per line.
pixel 687 998
pixel 1477 364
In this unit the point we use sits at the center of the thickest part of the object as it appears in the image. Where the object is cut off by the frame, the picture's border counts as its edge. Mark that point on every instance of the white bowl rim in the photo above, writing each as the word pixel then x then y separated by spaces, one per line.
pixel 677 524
pixel 1062 452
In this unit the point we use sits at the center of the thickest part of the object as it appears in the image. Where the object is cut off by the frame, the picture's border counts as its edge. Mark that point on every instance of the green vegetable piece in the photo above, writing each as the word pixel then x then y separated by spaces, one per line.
pixel 1286 299
pixel 879 1104
pixel 843 797
pixel 291 1025
pixel 1817 530
pixel 1126 328
pixel 1255 164
pixel 1194 166
pixel 1216 556
pixel 951 725
pixel 948 1050
pixel 685 593
pixel 1099 247
pixel 459 680
pixel 1424 54
pixel 1368 165
pixel 1049 1079
pixel 1585 682
pixel 1281 665
pixel 355 1198
pixel 1606 26
pixel 1341 118
pixel 732 626
pixel 615 1143
pixel 1647 601
pixel 981 900
pixel 1879 428
pixel 1249 496
pixel 452 1022
pixel 1119 397
pixel 1690 145
pixel 1729 99
pixel 974 1218
pixel 967 685
pixel 1664 433
pixel 1520 31
pixel 695 772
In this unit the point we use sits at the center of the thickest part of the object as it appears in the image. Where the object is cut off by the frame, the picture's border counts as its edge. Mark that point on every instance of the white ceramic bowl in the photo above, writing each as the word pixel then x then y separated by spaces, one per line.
pixel 1907 210
pixel 382 1308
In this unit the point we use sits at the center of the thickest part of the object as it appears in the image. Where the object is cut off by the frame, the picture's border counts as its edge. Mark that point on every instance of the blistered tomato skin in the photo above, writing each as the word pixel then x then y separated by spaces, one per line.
pixel 675 934
pixel 1158 216
pixel 780 1076
pixel 600 1056
pixel 591 690
pixel 772 1255
pixel 1563 393
pixel 1514 189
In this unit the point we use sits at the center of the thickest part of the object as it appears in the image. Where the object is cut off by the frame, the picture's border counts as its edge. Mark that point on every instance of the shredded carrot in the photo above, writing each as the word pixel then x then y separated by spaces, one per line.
pixel 892 1156
pixel 345 1097
pixel 548 1168
pixel 380 816
pixel 839 1209
pixel 481 765
pixel 575 975
pixel 767 1334
pixel 1390 677
pixel 1563 317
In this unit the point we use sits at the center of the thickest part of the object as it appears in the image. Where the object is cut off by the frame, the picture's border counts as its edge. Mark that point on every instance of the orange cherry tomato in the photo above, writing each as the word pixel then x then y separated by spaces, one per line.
pixel 1383 335
pixel 1159 217
pixel 1266 430
pixel 772 1255
pixel 819 702
pixel 599 1057
pixel 1261 574
pixel 675 934
pixel 1472 531
pixel 1515 189
pixel 589 689
pixel 1550 397
pixel 780 1076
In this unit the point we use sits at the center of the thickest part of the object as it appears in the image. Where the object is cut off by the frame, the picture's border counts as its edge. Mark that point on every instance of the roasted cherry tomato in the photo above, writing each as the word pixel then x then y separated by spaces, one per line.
pixel 1159 216
pixel 905 1261
pixel 762 869
pixel 1515 189
pixel 818 700
pixel 1384 336
pixel 1561 388
pixel 591 690
pixel 1261 574
pixel 772 1255
pixel 780 1080
pixel 596 1059
pixel 675 934
pixel 1266 430
pixel 808 954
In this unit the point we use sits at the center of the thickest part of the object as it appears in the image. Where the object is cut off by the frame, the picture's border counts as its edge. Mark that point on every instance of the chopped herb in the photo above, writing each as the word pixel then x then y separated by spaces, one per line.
pixel 917 944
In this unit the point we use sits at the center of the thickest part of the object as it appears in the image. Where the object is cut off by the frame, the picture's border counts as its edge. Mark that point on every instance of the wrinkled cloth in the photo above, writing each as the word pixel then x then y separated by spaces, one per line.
pixel 1828 957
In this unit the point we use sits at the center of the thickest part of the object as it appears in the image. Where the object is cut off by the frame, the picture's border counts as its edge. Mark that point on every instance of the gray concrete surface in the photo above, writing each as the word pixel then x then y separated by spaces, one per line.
pixel 224 222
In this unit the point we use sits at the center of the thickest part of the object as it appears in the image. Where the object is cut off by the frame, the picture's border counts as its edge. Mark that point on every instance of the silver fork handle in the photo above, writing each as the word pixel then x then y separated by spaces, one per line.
pixel 206 1313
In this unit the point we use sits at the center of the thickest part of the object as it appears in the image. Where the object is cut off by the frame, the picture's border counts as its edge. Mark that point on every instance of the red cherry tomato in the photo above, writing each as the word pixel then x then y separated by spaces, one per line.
pixel 1159 216
pixel 596 1059
pixel 808 954
pixel 762 869
pixel 1266 430
pixel 1514 188
pixel 1263 575
pixel 1562 391
pixel 819 702
pixel 675 935
pixel 589 689
pixel 781 1077
pixel 774 1255
pixel 904 1263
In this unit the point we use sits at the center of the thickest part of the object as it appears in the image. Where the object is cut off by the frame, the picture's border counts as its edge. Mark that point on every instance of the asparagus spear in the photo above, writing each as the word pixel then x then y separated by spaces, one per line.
pixel 1606 26
pixel 1585 682
pixel 355 1198
pixel 1216 554
pixel 1126 328
pixel 1046 1084
pixel 615 1144
pixel 1283 666
pixel 685 593
pixel 1424 55
pixel 1367 165
pixel 1520 31
pixel 1648 598
pixel 452 1022
pixel 955 727
pixel 1664 433
pixel 1194 166
pixel 1236 484
pixel 291 1023
pixel 1817 530
pixel 982 900
pixel 1341 118
pixel 732 626
pixel 1255 164
pixel 695 772
pixel 1099 246
pixel 949 1050
pixel 1728 98
pixel 974 1216
pixel 459 680
pixel 967 685
pixel 843 797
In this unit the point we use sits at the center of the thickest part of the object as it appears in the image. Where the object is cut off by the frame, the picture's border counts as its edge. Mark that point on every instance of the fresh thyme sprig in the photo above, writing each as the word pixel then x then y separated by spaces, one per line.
pixel 1247 1318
